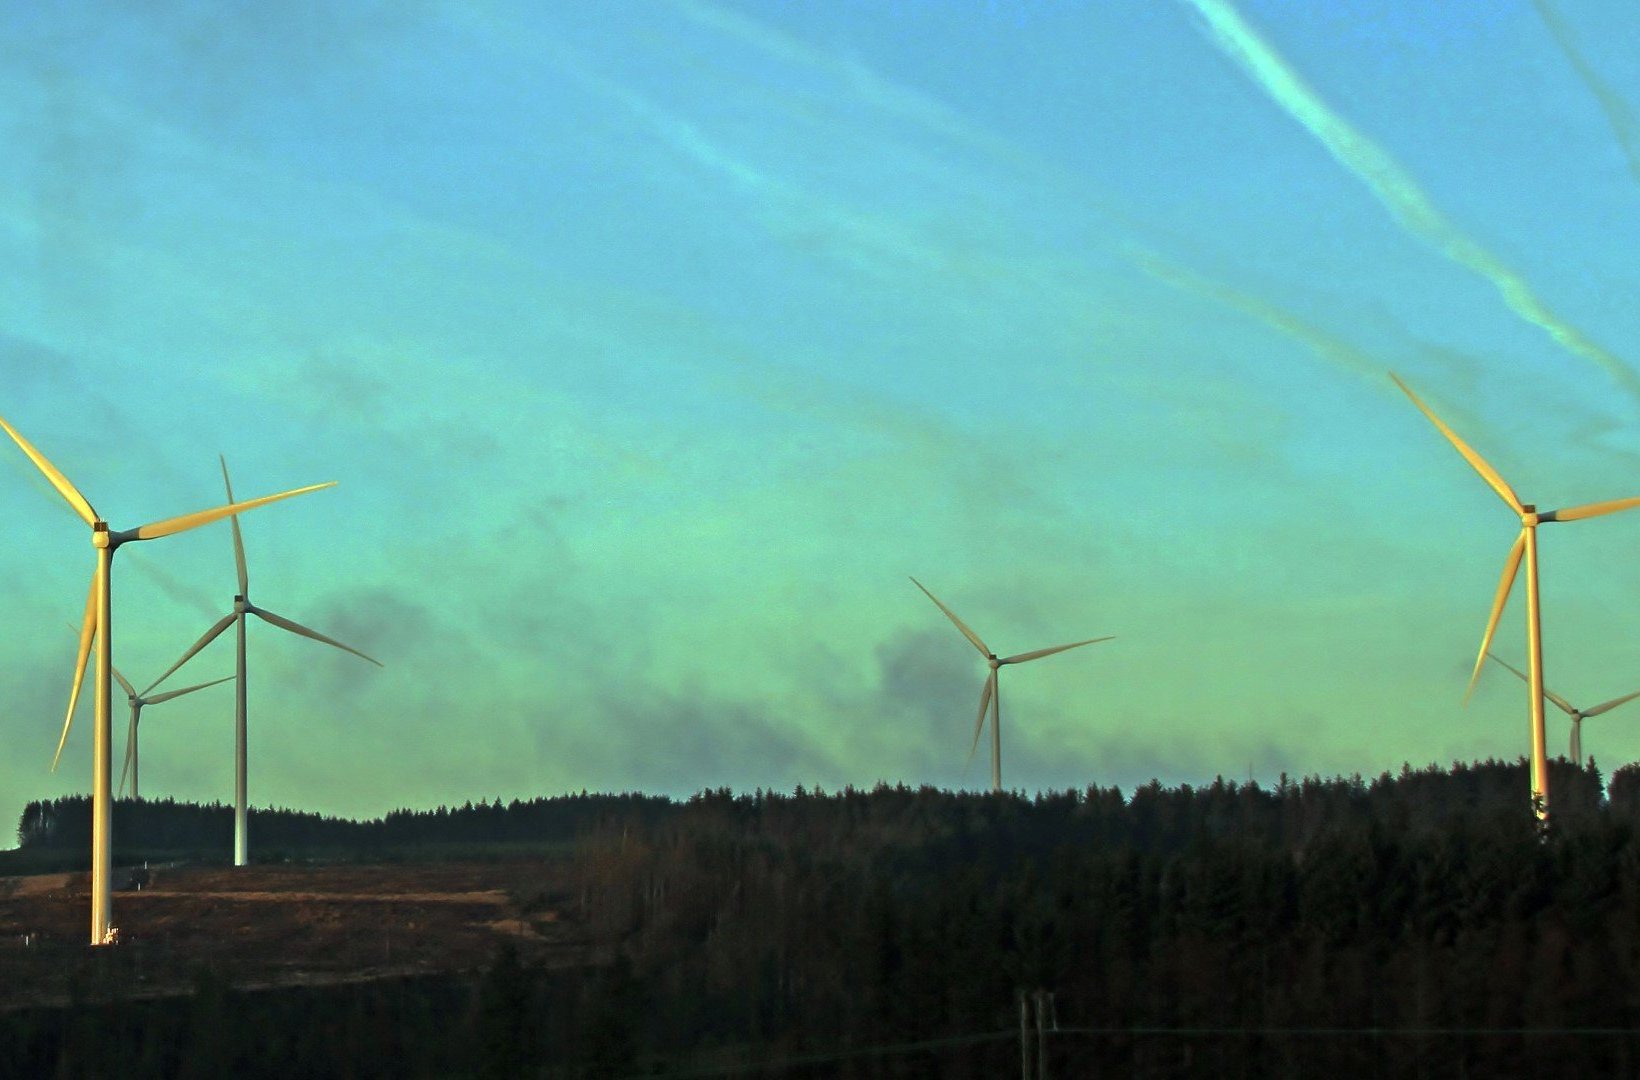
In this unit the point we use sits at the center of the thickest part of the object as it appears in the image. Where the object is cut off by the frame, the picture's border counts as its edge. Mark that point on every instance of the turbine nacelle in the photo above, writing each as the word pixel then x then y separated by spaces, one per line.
pixel 1531 516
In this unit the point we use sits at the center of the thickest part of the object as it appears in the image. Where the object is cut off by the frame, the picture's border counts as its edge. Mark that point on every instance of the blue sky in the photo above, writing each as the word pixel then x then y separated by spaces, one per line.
pixel 654 345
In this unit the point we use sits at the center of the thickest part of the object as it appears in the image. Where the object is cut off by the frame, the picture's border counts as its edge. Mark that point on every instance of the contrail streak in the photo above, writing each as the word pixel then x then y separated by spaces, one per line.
pixel 1618 114
pixel 894 99
pixel 1321 342
pixel 1394 186
pixel 1339 353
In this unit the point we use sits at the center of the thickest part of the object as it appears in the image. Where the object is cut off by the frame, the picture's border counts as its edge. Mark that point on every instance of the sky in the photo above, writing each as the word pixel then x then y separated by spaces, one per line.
pixel 655 345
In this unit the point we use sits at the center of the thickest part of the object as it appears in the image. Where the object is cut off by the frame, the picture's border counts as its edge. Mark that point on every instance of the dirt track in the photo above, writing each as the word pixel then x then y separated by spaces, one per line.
pixel 488 896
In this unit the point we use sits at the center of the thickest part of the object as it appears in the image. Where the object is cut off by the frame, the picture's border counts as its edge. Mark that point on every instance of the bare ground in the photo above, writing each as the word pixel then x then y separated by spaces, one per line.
pixel 265 926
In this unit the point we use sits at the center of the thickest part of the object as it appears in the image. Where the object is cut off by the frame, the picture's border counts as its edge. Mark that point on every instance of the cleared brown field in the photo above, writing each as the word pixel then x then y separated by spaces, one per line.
pixel 265 926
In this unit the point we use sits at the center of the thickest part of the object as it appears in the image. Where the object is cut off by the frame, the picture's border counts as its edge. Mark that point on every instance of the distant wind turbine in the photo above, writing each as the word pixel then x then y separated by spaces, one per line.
pixel 242 606
pixel 137 702
pixel 1525 544
pixel 97 626
pixel 991 695
pixel 1577 715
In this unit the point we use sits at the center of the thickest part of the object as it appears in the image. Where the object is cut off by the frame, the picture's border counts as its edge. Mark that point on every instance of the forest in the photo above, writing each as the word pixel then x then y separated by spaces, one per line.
pixel 59 831
pixel 1410 924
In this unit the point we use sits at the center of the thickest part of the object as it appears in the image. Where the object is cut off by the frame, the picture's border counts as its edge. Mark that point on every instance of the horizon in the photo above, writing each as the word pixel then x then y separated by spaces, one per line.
pixel 1281 785
pixel 654 350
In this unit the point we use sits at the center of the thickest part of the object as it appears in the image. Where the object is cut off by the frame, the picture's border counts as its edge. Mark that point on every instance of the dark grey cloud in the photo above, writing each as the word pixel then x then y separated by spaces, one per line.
pixel 377 622
pixel 684 740
pixel 39 377
pixel 362 400
pixel 195 598
pixel 929 683
pixel 1127 750
pixel 224 62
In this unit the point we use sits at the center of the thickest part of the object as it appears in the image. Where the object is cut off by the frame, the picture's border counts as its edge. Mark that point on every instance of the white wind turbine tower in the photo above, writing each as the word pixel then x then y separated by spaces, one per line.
pixel 242 606
pixel 991 695
pixel 1577 715
pixel 97 626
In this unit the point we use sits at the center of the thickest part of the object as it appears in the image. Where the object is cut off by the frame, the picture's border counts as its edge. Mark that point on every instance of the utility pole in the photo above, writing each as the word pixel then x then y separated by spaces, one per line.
pixel 1041 1037
pixel 1024 1040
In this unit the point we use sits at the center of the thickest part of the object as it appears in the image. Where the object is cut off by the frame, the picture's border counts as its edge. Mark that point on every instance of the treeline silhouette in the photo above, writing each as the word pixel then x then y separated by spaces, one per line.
pixel 1410 924
pixel 143 826
pixel 1156 818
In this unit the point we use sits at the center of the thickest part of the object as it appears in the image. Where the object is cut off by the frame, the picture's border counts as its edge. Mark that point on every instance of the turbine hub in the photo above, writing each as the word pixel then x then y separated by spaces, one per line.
pixel 241 604
pixel 1529 517
pixel 99 534
pixel 992 657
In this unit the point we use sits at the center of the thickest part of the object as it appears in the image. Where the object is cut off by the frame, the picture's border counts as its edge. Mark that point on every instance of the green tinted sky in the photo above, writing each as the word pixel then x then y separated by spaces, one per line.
pixel 655 344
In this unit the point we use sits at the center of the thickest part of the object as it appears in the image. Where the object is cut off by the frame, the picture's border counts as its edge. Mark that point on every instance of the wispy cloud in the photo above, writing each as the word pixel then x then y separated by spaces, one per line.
pixel 1394 187
pixel 891 98
pixel 1618 113
pixel 1337 352
pixel 873 243
pixel 898 102
pixel 954 250
pixel 1455 367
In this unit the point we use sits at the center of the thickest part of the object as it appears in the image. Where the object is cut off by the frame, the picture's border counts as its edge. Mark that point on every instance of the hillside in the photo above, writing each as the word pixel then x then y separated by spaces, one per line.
pixel 1412 923
pixel 267 926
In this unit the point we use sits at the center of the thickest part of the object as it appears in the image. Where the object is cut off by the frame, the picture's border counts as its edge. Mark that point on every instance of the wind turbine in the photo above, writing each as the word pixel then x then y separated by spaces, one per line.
pixel 97 626
pixel 1577 715
pixel 242 606
pixel 991 695
pixel 1525 544
pixel 137 702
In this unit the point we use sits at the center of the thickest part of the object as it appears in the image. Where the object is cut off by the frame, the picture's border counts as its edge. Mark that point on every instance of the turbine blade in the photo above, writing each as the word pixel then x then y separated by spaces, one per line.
pixel 297 628
pixel 1039 653
pixel 1511 565
pixel 88 633
pixel 1488 473
pixel 120 678
pixel 984 703
pixel 1564 705
pixel 169 694
pixel 208 637
pixel 58 480
pixel 127 687
pixel 205 517
pixel 238 541
pixel 967 633
pixel 1589 510
pixel 1612 704
pixel 130 749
